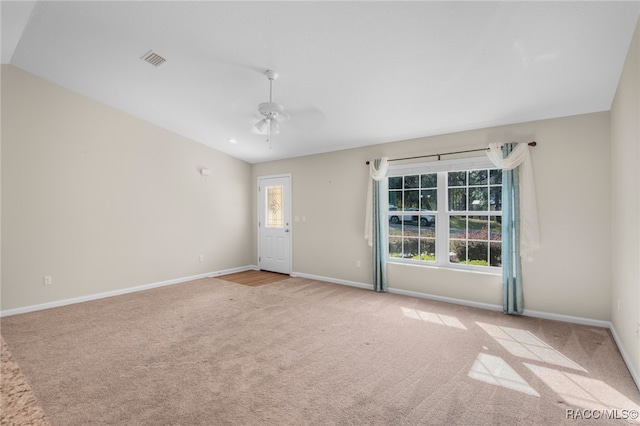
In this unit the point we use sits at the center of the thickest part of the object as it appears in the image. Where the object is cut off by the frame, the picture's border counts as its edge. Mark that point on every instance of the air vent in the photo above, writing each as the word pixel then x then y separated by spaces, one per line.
pixel 154 59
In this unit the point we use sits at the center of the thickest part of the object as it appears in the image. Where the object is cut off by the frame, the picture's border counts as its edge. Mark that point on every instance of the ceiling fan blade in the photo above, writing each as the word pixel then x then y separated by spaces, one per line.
pixel 283 116
pixel 306 116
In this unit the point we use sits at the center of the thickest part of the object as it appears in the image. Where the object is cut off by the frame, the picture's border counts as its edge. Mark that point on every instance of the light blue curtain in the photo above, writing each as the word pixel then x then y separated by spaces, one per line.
pixel 513 300
pixel 379 234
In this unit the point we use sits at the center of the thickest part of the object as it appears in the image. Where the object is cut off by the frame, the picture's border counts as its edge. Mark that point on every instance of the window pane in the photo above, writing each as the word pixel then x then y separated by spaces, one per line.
pixel 410 226
pixel 395 246
pixel 457 178
pixel 395 227
pixel 427 249
pixel 412 181
pixel 410 247
pixel 395 200
pixel 395 182
pixel 478 227
pixel 477 253
pixel 495 228
pixel 411 200
pixel 495 198
pixel 479 198
pixel 457 199
pixel 478 177
pixel 428 230
pixel 429 199
pixel 458 251
pixel 427 221
pixel 429 181
pixel 495 177
pixel 495 254
pixel 275 214
pixel 457 227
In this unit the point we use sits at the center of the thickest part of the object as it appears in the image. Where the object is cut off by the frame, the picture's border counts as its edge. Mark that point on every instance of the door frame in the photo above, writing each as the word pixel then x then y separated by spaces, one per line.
pixel 288 212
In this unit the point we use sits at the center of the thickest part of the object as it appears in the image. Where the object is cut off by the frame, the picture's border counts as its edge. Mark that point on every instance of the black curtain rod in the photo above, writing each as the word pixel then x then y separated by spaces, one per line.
pixel 448 153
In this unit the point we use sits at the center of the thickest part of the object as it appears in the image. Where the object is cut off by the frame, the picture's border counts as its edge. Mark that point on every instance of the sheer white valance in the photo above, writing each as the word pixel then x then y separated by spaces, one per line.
pixel 529 231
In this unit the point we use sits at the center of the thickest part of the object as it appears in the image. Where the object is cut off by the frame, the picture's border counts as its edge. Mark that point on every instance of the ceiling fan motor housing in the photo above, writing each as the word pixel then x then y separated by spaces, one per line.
pixel 270 110
pixel 271 75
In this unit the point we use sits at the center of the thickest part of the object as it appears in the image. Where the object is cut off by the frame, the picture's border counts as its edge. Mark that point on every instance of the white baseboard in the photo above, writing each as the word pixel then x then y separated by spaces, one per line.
pixel 470 303
pixel 233 271
pixel 399 291
pixel 625 355
pixel 96 296
pixel 567 318
pixel 453 300
pixel 333 280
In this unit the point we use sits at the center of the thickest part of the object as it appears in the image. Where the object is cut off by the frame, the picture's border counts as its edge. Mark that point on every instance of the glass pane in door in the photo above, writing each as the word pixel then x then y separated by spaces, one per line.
pixel 275 214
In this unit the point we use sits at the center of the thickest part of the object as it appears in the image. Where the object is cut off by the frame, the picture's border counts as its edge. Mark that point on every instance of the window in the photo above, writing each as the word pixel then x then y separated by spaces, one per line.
pixel 442 214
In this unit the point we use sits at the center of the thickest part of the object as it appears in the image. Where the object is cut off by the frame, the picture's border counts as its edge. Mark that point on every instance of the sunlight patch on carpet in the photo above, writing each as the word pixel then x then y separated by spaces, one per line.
pixel 434 318
pixel 495 370
pixel 524 344
pixel 584 391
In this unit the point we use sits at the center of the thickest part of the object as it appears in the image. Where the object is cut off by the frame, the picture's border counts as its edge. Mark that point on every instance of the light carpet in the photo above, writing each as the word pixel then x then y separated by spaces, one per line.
pixel 304 352
pixel 18 405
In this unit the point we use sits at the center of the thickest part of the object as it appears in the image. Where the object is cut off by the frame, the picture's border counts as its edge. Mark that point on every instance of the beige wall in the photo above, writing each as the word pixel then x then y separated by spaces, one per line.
pixel 625 204
pixel 571 272
pixel 103 201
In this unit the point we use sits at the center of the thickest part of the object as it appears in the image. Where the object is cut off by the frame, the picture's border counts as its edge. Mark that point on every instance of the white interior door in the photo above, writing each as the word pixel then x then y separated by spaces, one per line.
pixel 274 219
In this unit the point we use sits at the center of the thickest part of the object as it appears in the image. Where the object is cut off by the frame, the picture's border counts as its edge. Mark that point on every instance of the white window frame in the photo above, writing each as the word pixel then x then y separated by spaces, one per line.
pixel 441 167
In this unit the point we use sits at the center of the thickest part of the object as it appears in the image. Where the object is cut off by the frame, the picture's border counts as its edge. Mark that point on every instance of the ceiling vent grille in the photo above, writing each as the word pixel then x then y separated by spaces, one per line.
pixel 154 59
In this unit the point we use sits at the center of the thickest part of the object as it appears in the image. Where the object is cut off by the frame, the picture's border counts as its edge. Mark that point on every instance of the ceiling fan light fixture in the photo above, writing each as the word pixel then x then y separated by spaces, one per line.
pixel 268 125
pixel 275 127
pixel 261 125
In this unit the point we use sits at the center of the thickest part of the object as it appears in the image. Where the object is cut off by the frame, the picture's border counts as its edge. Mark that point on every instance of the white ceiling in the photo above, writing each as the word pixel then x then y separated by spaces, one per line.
pixel 350 73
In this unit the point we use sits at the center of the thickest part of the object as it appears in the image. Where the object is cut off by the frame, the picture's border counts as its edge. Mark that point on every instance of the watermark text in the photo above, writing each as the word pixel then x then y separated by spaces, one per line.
pixel 613 414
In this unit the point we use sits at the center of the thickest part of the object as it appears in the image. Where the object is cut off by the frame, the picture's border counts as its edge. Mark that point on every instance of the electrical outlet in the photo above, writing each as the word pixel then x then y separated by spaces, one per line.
pixel 201 258
pixel 618 304
pixel 358 263
pixel 48 280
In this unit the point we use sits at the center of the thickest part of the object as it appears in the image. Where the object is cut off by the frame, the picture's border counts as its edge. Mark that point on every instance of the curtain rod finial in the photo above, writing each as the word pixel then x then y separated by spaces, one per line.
pixel 534 143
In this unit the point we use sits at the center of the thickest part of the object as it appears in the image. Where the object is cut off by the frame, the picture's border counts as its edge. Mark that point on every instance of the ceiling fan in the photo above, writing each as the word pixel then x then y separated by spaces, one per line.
pixel 273 113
